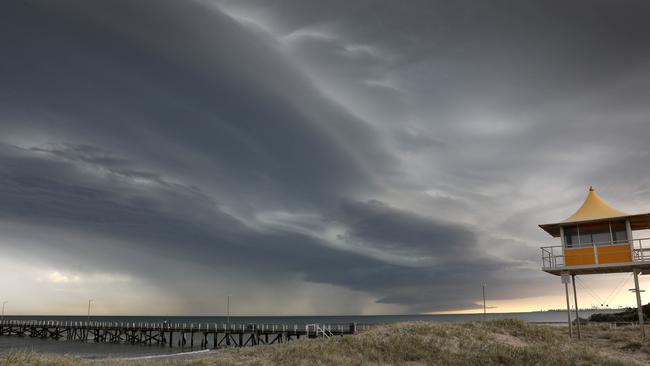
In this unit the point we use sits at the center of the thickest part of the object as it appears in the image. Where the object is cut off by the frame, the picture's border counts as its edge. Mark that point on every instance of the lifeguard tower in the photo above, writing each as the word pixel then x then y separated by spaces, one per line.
pixel 597 239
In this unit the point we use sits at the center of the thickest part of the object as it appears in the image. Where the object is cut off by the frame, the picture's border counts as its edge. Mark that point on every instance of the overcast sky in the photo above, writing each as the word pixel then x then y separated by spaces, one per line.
pixel 311 157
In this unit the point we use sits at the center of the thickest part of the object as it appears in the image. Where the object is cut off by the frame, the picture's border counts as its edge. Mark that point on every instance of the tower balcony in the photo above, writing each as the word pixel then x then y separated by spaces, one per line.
pixel 604 257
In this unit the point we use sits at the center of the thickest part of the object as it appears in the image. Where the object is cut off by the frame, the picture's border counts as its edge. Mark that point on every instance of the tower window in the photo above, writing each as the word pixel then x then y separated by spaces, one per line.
pixel 595 233
pixel 571 236
pixel 619 231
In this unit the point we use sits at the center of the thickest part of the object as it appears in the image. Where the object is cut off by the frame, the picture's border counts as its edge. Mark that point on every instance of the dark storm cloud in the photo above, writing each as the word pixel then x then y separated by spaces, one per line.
pixel 148 130
pixel 389 229
pixel 160 83
pixel 41 188
pixel 405 150
pixel 505 110
pixel 510 59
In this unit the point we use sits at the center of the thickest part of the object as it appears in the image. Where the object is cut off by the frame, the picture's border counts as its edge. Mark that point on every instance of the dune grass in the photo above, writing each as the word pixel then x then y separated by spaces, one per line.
pixel 496 342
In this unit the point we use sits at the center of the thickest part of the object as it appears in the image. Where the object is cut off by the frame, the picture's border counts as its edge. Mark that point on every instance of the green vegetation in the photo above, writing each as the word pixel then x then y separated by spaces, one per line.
pixel 627 315
pixel 497 342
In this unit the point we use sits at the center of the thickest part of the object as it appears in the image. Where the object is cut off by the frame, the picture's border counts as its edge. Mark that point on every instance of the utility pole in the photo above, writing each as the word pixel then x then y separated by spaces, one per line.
pixel 228 310
pixel 2 318
pixel 89 301
pixel 484 308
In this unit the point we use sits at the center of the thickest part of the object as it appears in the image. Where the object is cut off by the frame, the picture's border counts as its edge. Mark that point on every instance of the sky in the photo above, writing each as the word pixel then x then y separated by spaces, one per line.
pixel 310 157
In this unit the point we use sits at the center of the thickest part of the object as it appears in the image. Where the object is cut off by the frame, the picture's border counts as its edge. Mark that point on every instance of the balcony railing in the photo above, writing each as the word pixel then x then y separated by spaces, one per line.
pixel 553 256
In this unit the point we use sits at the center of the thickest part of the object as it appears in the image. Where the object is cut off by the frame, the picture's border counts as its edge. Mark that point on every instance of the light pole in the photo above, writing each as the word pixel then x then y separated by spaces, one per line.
pixel 484 308
pixel 228 310
pixel 2 317
pixel 89 301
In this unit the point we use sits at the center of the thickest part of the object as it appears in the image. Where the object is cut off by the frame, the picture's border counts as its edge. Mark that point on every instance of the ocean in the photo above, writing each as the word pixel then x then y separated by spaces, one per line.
pixel 103 350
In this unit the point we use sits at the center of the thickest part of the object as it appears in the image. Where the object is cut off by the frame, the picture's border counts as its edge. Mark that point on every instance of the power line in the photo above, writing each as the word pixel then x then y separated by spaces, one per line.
pixel 589 291
pixel 618 289
pixel 609 297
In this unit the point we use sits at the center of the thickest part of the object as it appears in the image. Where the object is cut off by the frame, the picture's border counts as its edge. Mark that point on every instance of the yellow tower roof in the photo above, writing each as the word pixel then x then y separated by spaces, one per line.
pixel 596 209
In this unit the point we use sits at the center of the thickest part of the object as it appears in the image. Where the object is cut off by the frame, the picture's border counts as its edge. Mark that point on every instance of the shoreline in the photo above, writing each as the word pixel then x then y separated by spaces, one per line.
pixel 152 357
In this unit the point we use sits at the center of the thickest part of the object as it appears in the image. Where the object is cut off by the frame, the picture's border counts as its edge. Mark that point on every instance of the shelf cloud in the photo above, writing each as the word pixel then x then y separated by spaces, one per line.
pixel 357 157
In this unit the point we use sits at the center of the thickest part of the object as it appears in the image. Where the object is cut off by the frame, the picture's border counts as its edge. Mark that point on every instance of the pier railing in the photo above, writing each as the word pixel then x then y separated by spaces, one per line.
pixel 173 334
pixel 553 257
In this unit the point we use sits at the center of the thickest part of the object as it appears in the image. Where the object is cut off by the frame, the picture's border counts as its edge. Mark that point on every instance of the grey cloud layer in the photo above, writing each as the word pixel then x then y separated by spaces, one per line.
pixel 365 145
pixel 169 221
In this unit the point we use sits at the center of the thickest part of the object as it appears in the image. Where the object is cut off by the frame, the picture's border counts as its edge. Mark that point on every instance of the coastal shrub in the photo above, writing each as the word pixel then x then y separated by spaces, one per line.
pixel 23 358
pixel 519 328
pixel 632 346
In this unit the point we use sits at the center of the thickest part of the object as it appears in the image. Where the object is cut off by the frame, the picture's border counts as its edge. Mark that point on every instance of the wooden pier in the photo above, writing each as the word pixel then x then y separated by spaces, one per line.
pixel 190 335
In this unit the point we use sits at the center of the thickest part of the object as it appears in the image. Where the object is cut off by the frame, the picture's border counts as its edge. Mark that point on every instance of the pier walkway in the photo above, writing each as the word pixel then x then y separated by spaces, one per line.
pixel 172 334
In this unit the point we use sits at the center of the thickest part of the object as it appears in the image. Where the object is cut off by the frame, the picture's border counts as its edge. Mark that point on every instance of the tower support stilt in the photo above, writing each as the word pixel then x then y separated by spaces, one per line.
pixel 568 309
pixel 575 299
pixel 638 302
